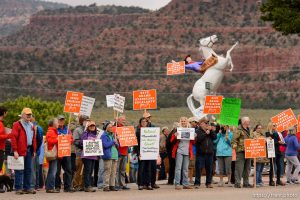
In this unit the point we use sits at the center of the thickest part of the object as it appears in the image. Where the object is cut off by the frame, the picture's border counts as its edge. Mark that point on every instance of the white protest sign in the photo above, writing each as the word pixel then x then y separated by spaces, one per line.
pixel 271 148
pixel 119 103
pixel 149 148
pixel 12 163
pixel 87 106
pixel 281 137
pixel 92 148
pixel 110 100
pixel 186 133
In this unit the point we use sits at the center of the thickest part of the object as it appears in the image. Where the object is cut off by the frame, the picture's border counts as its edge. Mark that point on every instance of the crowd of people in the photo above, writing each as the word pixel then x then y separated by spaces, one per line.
pixel 215 150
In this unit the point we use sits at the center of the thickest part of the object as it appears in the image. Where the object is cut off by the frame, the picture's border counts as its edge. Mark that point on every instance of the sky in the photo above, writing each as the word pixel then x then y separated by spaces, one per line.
pixel 149 4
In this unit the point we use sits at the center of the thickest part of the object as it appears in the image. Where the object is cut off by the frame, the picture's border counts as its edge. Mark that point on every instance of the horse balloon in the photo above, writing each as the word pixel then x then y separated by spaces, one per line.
pixel 213 75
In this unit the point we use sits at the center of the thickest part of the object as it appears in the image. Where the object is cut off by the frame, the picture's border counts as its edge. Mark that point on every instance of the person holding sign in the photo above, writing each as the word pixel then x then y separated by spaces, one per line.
pixel 52 142
pixel 242 165
pixel 88 161
pixel 273 134
pixel 23 142
pixel 110 157
pixel 182 152
pixel 291 155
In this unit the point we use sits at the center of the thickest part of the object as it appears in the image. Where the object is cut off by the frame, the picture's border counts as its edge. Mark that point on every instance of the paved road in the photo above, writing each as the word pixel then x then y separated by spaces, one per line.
pixel 167 192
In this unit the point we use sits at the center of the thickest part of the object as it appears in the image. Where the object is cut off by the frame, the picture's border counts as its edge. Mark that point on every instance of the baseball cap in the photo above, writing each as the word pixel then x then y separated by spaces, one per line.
pixel 26 111
pixel 60 117
pixel 192 119
pixel 146 114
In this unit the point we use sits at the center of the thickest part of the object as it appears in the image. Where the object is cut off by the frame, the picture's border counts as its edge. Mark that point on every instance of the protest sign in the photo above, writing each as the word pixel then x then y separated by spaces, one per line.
pixel 126 136
pixel 144 99
pixel 298 126
pixel 110 100
pixel 64 146
pixel 92 148
pixel 87 106
pixel 271 148
pixel 119 103
pixel 230 112
pixel 12 163
pixel 149 148
pixel 186 133
pixel 255 148
pixel 73 102
pixel 213 104
pixel 284 120
pixel 176 68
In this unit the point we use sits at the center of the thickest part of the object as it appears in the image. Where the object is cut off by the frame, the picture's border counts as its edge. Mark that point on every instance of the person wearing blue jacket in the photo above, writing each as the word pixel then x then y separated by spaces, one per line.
pixel 224 153
pixel 110 157
pixel 291 153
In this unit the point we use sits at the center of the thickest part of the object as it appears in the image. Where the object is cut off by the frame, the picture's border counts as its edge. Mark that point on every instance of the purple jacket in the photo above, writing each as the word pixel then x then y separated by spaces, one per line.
pixel 88 136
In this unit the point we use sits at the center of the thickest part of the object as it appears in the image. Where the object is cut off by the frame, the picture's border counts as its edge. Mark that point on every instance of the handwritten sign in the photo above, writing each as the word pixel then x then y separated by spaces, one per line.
pixel 144 99
pixel 110 101
pixel 126 135
pixel 284 120
pixel 186 133
pixel 213 104
pixel 176 68
pixel 230 112
pixel 87 106
pixel 73 102
pixel 119 103
pixel 149 148
pixel 64 146
pixel 255 148
pixel 271 148
pixel 92 148
pixel 12 163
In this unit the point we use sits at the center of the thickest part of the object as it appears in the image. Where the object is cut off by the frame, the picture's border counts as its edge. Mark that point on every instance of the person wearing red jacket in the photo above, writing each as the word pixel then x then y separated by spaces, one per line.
pixel 52 140
pixel 3 137
pixel 23 142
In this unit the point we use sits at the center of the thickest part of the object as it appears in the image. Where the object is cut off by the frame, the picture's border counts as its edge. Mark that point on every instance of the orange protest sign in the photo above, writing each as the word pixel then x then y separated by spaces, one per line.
pixel 73 102
pixel 176 68
pixel 255 148
pixel 126 136
pixel 213 104
pixel 64 146
pixel 284 120
pixel 298 123
pixel 144 99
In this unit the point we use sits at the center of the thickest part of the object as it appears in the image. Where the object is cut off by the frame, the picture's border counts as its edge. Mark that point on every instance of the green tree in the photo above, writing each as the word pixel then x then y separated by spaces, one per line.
pixel 42 110
pixel 284 15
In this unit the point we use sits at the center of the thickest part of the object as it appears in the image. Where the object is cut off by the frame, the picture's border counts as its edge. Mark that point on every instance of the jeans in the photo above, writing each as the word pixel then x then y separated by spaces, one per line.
pixel 41 177
pixel 162 172
pixel 121 171
pixel 35 172
pixel 88 171
pixel 172 164
pixel 276 162
pixel 50 180
pixel 23 177
pixel 101 174
pixel 73 164
pixel 242 169
pixel 204 161
pixel 64 163
pixel 259 170
pixel 292 161
pixel 144 173
pixel 1 159
pixel 182 163
pixel 153 172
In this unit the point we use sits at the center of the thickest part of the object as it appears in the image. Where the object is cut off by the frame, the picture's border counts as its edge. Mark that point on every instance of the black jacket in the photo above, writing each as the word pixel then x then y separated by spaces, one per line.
pixel 204 142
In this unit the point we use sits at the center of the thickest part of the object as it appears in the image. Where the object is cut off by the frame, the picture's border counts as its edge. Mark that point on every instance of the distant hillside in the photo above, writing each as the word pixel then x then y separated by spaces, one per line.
pixel 14 14
pixel 106 53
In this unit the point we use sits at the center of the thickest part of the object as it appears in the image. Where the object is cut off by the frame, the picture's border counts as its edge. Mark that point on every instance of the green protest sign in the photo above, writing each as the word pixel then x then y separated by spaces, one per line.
pixel 230 113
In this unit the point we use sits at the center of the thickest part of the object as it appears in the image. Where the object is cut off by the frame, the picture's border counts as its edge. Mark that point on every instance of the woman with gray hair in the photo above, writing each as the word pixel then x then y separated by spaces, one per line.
pixel 291 153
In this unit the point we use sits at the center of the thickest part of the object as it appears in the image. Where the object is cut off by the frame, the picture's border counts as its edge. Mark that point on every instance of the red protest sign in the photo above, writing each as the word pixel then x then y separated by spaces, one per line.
pixel 144 99
pixel 298 123
pixel 176 68
pixel 73 102
pixel 213 104
pixel 284 120
pixel 126 136
pixel 64 146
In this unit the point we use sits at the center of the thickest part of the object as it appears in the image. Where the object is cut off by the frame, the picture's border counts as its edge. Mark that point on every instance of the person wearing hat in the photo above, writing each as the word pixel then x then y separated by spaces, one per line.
pixel 194 124
pixel 110 157
pixel 292 146
pixel 64 162
pixel 23 142
pixel 88 161
pixel 78 178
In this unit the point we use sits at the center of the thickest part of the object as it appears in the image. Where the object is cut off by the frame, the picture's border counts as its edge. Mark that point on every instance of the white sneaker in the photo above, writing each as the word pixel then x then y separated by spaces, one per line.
pixel 221 184
pixel 296 182
pixel 230 184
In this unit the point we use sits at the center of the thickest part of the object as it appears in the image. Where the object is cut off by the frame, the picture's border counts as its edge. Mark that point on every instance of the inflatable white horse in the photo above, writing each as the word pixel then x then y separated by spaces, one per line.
pixel 213 75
